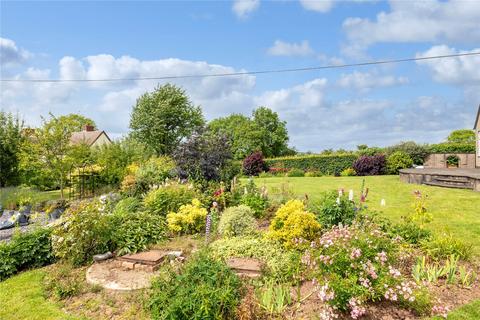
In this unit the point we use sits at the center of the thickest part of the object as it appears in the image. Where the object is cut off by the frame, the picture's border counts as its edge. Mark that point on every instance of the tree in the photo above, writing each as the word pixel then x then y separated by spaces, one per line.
pixel 75 122
pixel 10 144
pixel 162 118
pixel 462 136
pixel 274 132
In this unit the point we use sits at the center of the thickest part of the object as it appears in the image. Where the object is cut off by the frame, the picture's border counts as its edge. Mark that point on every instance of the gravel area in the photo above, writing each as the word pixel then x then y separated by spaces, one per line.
pixel 36 219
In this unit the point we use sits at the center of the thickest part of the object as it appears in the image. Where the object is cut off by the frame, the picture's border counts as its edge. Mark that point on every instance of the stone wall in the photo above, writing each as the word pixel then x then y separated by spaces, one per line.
pixel 439 160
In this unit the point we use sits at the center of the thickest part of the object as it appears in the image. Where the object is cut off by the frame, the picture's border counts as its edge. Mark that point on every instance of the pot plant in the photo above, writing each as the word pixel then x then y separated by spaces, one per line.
pixel 452 161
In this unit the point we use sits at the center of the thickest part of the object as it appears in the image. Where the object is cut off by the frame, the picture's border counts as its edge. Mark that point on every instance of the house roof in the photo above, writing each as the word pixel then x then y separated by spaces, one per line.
pixel 87 137
pixel 477 121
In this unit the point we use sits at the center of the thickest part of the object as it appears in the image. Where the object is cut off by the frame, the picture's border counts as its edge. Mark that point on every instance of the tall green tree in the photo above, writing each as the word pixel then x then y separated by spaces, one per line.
pixel 10 143
pixel 163 117
pixel 462 136
pixel 274 132
pixel 75 122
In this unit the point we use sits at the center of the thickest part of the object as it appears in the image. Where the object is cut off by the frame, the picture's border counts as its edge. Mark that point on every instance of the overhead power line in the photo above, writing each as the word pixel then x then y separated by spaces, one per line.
pixel 314 68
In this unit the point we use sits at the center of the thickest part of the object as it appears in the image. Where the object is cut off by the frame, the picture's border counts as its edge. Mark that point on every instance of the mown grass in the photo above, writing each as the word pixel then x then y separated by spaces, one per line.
pixel 13 194
pixel 455 211
pixel 469 311
pixel 22 298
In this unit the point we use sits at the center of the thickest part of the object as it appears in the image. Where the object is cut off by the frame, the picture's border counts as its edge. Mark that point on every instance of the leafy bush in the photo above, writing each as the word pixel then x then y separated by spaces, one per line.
pixel 452 160
pixel 295 173
pixel 168 197
pixel 134 231
pixel 205 289
pixel 327 164
pixel 441 247
pixel 237 221
pixel 313 173
pixel 370 165
pixel 410 232
pixel 417 152
pixel 349 172
pixel 85 230
pixel 281 264
pixel 126 206
pixel 190 218
pixel 154 172
pixel 448 147
pixel 398 160
pixel 64 281
pixel 333 209
pixel 255 201
pixel 254 164
pixel 292 223
pixel 24 251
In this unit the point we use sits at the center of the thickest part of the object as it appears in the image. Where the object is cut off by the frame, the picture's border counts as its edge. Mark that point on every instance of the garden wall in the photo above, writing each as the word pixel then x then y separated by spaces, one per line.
pixel 439 160
pixel 327 164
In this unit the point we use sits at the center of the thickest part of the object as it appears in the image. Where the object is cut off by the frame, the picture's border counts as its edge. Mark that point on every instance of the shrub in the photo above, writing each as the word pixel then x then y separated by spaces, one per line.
pixel 153 172
pixel 370 165
pixel 135 231
pixel 348 172
pixel 313 173
pixel 452 160
pixel 295 173
pixel 237 221
pixel 24 251
pixel 292 223
pixel 327 164
pixel 398 160
pixel 448 147
pixel 417 152
pixel 168 197
pixel 256 202
pixel 189 219
pixel 410 232
pixel 254 164
pixel 281 264
pixel 84 231
pixel 205 289
pixel 64 281
pixel 277 171
pixel 126 206
pixel 333 209
pixel 441 247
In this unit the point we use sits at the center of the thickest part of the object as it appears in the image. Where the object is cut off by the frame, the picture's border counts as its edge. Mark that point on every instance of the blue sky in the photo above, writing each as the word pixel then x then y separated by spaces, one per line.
pixel 339 108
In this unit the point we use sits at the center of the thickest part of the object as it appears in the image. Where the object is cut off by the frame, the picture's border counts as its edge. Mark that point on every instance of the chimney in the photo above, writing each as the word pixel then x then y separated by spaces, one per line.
pixel 88 127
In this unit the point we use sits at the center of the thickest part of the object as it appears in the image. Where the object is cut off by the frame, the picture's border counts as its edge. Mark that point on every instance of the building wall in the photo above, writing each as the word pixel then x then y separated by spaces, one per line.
pixel 102 139
pixel 439 160
pixel 478 145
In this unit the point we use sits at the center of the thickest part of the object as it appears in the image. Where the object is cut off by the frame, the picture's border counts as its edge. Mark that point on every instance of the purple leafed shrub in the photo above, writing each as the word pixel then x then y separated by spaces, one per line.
pixel 370 165
pixel 254 164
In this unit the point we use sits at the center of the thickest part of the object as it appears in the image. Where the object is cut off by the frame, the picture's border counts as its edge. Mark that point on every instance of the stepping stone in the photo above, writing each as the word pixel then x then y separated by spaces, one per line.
pixel 152 257
pixel 246 267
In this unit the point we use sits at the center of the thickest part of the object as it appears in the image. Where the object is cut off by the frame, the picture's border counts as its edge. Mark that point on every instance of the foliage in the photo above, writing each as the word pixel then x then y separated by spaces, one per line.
pixel 237 221
pixel 274 298
pixel 349 172
pixel 274 134
pixel 281 264
pixel 163 117
pixel 255 201
pixel 168 197
pixel 410 232
pixel 134 231
pixel 417 152
pixel 452 160
pixel 204 157
pixel 334 209
pixel 462 136
pixel 327 164
pixel 13 197
pixel 205 289
pixel 316 173
pixel 292 223
pixel 64 281
pixel 11 140
pixel 25 251
pixel 448 147
pixel 126 206
pixel 75 122
pixel 189 219
pixel 84 231
pixel 254 164
pixel 420 213
pixel 152 172
pixel 370 165
pixel 364 150
pixel 441 247
pixel 398 160
pixel 295 173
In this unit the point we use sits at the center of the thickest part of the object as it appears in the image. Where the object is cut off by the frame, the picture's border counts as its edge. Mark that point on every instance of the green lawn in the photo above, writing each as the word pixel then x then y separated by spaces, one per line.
pixel 454 210
pixel 21 298
pixel 12 194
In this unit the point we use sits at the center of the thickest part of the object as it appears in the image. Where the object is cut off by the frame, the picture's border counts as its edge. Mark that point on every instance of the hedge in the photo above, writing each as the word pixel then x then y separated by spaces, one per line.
pixel 448 147
pixel 327 164
pixel 25 251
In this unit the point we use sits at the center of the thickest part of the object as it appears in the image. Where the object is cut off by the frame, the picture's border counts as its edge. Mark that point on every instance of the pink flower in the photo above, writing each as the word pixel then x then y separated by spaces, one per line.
pixel 439 310
pixel 356 253
pixel 394 272
pixel 357 310
pixel 325 293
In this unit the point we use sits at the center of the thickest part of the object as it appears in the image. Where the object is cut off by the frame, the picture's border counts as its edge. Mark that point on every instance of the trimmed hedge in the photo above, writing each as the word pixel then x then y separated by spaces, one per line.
pixel 25 251
pixel 448 147
pixel 327 164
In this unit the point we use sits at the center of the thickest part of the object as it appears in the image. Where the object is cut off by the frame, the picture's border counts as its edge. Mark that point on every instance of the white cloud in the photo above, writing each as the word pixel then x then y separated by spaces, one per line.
pixel 281 48
pixel 10 54
pixel 317 5
pixel 364 81
pixel 416 21
pixel 463 70
pixel 242 8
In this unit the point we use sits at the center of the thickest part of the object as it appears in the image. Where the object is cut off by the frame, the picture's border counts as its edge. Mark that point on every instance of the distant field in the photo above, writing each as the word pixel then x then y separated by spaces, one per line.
pixel 454 210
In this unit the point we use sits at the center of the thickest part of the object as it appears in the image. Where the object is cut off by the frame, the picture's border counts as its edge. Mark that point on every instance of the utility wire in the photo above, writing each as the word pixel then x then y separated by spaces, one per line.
pixel 249 72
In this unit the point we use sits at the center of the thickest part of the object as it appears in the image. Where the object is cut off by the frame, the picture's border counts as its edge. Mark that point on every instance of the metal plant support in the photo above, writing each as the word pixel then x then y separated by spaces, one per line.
pixel 83 182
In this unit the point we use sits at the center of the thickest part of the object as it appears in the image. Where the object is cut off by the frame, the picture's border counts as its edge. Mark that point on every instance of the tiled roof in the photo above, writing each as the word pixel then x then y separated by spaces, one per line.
pixel 87 137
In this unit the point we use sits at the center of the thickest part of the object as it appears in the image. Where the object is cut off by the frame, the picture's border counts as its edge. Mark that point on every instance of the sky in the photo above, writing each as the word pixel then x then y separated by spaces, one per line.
pixel 335 108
